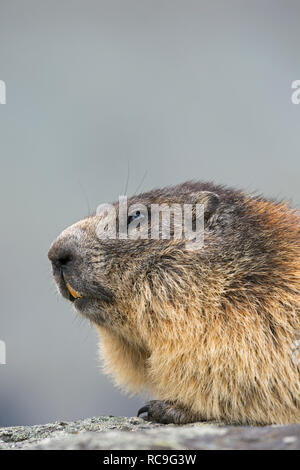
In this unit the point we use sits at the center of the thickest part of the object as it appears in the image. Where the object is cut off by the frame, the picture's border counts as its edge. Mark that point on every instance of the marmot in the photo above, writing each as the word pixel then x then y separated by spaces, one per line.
pixel 208 333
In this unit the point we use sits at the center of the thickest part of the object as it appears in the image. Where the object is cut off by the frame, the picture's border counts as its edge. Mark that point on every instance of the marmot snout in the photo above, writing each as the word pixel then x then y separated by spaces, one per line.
pixel 209 333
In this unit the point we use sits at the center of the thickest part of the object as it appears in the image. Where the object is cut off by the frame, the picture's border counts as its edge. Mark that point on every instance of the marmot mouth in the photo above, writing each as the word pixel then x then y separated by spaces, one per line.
pixel 68 292
pixel 73 294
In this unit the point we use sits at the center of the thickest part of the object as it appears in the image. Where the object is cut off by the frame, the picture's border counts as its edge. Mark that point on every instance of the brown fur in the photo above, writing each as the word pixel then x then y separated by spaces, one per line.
pixel 208 332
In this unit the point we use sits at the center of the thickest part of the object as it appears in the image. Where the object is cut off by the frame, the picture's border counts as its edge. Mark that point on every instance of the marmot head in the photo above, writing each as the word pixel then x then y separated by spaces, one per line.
pixel 102 275
pixel 108 278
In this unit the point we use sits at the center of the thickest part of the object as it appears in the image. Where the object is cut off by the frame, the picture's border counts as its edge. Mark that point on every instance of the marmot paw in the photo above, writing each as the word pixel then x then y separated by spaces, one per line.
pixel 164 412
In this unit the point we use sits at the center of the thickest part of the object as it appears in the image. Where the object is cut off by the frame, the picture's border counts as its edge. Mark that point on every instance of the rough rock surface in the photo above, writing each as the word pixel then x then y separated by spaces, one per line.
pixel 108 432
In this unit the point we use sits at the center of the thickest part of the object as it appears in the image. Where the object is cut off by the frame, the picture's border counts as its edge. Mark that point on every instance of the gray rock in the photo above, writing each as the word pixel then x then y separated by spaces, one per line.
pixel 108 432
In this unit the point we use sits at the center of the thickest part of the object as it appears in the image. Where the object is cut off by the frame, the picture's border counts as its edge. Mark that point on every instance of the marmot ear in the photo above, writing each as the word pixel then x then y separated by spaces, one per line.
pixel 209 200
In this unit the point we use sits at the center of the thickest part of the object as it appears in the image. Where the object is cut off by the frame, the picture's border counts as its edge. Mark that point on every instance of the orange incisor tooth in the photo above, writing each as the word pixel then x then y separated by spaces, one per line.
pixel 73 292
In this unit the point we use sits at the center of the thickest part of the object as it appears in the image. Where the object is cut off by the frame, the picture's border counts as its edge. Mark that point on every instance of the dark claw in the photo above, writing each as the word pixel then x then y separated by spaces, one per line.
pixel 164 412
pixel 144 409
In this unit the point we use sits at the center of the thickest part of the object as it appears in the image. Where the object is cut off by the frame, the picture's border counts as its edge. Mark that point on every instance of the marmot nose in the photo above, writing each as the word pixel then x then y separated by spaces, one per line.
pixel 61 256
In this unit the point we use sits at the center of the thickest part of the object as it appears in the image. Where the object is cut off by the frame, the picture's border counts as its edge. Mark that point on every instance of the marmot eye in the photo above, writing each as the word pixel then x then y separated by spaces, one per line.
pixel 133 217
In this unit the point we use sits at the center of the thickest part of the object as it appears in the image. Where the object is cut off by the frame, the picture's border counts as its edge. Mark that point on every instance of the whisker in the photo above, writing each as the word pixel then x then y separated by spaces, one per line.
pixel 127 178
pixel 143 179
pixel 85 197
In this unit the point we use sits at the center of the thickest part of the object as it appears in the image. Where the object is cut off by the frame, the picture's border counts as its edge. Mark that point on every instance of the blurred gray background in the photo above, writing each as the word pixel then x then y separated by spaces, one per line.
pixel 180 89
